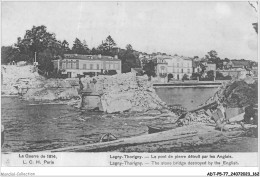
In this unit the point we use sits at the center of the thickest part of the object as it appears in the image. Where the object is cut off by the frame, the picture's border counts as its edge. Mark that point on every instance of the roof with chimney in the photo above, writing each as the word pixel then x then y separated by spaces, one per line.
pixel 90 57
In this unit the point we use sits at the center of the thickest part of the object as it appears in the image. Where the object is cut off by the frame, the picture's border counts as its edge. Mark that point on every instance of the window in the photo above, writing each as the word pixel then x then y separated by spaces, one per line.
pixel 69 65
pixel 116 66
pixel 84 66
pixel 71 62
pixel 177 64
pixel 188 70
pixel 107 66
pixel 97 66
pixel 181 70
pixel 73 65
pixel 63 65
pixel 111 66
pixel 91 66
pixel 77 64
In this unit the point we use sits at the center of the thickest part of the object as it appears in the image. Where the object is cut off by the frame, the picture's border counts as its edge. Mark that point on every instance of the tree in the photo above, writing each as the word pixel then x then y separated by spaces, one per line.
pixel 210 75
pixel 65 46
pixel 94 51
pixel 227 60
pixel 213 57
pixel 203 68
pixel 106 47
pixel 129 59
pixel 129 47
pixel 195 76
pixel 9 54
pixel 149 68
pixel 85 47
pixel 78 47
pixel 170 76
pixel 110 43
pixel 37 40
pixel 219 75
pixel 45 60
pixel 185 77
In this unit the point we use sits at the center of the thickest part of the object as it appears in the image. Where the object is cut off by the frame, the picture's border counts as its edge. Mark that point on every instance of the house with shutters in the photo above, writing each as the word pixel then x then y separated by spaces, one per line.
pixel 179 66
pixel 74 64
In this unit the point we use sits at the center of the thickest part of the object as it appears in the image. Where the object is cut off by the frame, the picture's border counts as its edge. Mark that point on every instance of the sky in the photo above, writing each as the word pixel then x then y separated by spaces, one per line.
pixel 183 28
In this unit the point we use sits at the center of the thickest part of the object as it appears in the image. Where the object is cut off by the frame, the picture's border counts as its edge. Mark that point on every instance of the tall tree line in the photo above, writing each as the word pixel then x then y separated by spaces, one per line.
pixel 43 44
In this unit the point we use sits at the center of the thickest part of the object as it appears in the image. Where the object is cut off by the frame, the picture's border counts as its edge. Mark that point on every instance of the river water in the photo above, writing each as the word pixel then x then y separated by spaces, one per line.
pixel 188 97
pixel 31 127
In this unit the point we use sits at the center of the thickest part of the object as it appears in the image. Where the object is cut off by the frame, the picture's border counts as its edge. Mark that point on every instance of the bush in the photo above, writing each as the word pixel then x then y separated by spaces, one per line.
pixel 210 75
pixel 110 72
pixel 162 75
pixel 185 77
pixel 170 76
pixel 195 76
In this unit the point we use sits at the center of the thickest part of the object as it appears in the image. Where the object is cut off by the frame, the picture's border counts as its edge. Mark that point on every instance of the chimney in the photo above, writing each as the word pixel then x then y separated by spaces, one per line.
pixel 99 56
pixel 116 57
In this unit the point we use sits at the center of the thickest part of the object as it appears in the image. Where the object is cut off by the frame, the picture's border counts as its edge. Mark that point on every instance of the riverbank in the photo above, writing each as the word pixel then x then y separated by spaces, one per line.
pixel 194 84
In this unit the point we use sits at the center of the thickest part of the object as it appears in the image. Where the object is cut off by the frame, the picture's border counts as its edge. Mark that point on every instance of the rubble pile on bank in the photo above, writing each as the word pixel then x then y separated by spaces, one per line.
pixel 14 77
pixel 124 92
pixel 52 89
pixel 197 117
pixel 24 81
pixel 236 93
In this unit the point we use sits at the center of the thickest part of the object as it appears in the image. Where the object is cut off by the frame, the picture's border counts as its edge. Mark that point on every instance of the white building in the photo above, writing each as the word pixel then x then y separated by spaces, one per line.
pixel 74 64
pixel 178 66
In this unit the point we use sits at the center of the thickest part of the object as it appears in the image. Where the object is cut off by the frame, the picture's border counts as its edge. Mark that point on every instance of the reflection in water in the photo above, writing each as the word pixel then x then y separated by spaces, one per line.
pixel 189 98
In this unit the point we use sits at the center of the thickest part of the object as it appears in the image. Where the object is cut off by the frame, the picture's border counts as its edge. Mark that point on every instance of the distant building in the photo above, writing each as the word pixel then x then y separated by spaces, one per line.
pixel 227 65
pixel 178 66
pixel 74 64
pixel 234 73
pixel 210 67
pixel 161 68
pixel 243 64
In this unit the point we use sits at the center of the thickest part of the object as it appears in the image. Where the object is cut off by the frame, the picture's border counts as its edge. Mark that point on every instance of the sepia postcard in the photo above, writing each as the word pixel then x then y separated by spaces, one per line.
pixel 137 84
